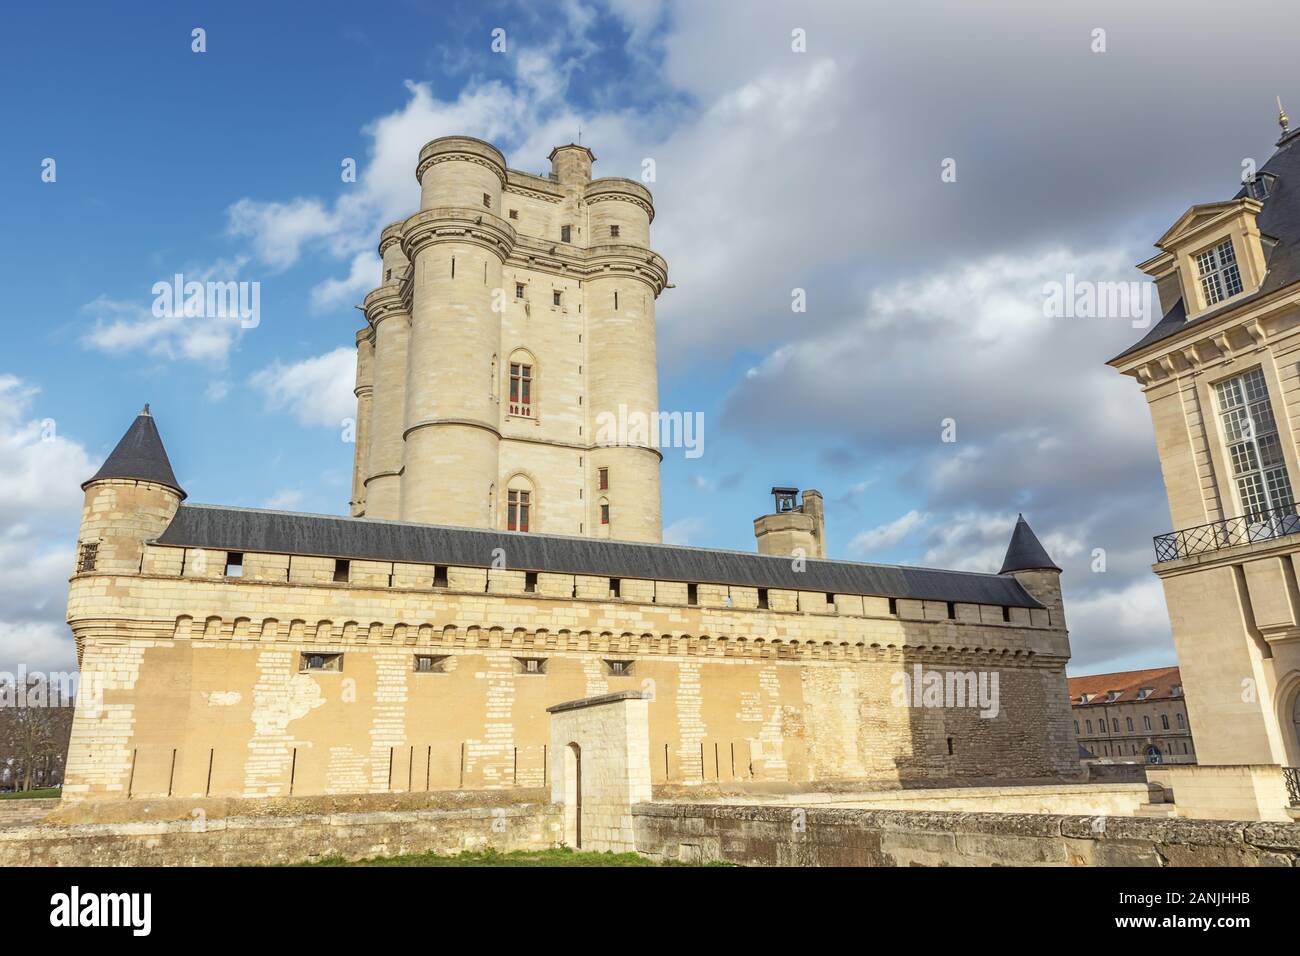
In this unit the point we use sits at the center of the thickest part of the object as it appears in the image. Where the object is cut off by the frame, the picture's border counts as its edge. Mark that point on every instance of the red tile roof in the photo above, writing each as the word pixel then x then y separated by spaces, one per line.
pixel 1160 680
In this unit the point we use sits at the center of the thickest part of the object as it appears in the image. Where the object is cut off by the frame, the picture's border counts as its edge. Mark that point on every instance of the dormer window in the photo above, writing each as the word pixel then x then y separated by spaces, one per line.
pixel 1112 696
pixel 1258 187
pixel 1220 277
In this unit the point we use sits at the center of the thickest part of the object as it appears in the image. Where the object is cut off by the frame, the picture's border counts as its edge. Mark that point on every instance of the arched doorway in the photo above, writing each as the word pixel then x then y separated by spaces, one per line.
pixel 573 796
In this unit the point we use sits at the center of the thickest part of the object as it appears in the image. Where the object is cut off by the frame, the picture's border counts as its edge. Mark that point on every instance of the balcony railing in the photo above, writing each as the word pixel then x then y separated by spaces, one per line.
pixel 1292 775
pixel 1228 533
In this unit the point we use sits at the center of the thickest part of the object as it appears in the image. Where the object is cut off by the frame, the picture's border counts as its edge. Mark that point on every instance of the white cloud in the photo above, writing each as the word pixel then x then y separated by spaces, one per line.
pixel 685 531
pixel 350 290
pixel 122 326
pixel 886 536
pixel 40 509
pixel 279 231
pixel 316 391
pixel 286 499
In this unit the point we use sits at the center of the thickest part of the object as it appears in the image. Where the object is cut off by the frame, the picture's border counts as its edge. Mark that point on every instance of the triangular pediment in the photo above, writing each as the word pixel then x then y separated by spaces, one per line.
pixel 1200 216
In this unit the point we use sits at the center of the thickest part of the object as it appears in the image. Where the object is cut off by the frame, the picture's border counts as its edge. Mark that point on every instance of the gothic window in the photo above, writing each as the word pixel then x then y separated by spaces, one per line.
pixel 1219 273
pixel 1164 721
pixel 604 512
pixel 1146 723
pixel 521 389
pixel 1182 721
pixel 1128 723
pixel 519 504
pixel 1254 446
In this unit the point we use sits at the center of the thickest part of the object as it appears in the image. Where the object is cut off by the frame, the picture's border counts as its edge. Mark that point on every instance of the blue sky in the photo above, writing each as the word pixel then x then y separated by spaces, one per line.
pixel 777 170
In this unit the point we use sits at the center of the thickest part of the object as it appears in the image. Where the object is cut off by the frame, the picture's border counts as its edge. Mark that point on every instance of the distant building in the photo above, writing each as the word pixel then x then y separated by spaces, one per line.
pixel 1133 717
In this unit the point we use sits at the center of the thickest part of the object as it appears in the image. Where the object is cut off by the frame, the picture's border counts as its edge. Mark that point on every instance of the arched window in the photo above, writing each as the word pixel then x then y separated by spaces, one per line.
pixel 521 504
pixel 1182 721
pixel 1129 723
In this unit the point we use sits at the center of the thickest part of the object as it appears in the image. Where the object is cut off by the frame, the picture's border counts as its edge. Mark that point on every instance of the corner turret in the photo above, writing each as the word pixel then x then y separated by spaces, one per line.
pixel 1029 563
pixel 129 501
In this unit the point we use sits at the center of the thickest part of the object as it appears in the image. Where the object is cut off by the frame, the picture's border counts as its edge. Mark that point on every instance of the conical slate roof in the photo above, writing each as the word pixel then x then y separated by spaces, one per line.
pixel 140 456
pixel 1025 553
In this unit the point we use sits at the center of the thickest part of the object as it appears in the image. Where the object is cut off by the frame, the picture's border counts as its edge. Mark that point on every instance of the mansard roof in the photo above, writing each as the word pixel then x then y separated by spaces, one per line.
pixel 140 456
pixel 1279 219
pixel 279 532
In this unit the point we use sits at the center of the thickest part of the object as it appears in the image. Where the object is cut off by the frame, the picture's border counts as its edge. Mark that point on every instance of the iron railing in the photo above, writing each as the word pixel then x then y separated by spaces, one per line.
pixel 1230 532
pixel 1292 775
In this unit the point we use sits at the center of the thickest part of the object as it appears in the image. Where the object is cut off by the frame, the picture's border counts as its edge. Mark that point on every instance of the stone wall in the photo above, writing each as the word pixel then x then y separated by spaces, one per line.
pixel 200 690
pixel 269 840
pixel 786 836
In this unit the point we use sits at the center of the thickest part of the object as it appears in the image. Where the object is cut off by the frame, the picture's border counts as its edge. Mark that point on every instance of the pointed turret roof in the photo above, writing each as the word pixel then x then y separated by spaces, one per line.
pixel 140 456
pixel 1026 553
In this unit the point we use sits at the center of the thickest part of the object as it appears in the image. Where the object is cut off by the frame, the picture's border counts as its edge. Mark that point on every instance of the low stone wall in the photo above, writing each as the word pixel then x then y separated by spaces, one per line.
pixel 787 836
pixel 1106 799
pixel 265 840
pixel 1209 792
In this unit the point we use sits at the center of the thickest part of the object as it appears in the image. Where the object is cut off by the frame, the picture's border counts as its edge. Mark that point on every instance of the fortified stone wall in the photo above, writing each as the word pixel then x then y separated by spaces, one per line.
pixel 197 688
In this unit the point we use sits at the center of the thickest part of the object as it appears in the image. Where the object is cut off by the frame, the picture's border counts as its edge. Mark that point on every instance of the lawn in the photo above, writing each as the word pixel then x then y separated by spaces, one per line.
pixel 561 856
pixel 30 794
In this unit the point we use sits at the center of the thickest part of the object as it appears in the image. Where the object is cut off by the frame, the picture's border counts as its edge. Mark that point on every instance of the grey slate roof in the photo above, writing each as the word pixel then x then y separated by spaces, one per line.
pixel 1025 552
pixel 140 455
pixel 280 532
pixel 1279 219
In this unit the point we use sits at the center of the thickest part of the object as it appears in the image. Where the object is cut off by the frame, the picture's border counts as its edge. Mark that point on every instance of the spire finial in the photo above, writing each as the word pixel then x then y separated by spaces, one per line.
pixel 1283 120
pixel 145 410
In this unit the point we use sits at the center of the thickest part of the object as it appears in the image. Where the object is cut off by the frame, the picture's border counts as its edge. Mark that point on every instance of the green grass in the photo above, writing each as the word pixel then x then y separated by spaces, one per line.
pixel 560 856
pixel 29 794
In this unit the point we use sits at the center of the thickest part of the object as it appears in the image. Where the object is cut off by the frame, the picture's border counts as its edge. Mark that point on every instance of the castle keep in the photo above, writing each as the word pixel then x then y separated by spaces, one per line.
pixel 499 561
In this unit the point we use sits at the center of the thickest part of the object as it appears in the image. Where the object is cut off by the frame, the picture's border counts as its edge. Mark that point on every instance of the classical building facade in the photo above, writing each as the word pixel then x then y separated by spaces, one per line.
pixel 1133 717
pixel 1221 373
pixel 417 644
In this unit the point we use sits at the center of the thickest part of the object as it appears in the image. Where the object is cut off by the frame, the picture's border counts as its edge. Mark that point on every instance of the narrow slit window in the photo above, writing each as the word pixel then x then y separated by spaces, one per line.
pixel 530 581
pixel 234 564
pixel 952 611
pixel 893 605
pixel 693 593
pixel 762 598
pixel 439 575
pixel 342 570
pixel 614 587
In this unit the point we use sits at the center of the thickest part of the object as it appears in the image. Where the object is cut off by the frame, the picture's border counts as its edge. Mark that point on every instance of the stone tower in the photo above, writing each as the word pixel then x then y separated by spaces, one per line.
pixel 129 501
pixel 1028 562
pixel 513 325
